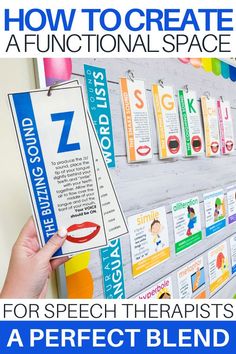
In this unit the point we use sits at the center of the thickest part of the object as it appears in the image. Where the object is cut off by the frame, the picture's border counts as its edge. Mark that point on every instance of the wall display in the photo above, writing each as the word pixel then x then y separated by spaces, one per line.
pixel 218 264
pixel 160 290
pixel 191 123
pixel 187 223
pixel 226 127
pixel 167 121
pixel 211 126
pixel 136 120
pixel 140 186
pixel 231 201
pixel 63 167
pixel 233 253
pixel 215 213
pixel 112 269
pixel 99 106
pixel 149 240
pixel 191 280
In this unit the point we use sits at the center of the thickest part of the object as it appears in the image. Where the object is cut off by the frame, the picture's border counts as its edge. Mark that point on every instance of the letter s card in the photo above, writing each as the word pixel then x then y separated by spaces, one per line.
pixel 136 120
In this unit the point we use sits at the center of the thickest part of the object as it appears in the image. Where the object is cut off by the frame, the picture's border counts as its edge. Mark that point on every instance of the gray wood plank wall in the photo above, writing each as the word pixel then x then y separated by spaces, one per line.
pixel 141 187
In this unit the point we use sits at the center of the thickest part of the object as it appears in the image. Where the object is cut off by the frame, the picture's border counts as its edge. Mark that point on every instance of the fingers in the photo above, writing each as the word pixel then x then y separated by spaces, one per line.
pixel 53 245
pixel 28 231
pixel 28 236
pixel 55 263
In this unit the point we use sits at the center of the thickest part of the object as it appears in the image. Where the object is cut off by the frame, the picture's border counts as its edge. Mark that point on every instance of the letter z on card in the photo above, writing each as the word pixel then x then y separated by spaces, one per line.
pixel 57 154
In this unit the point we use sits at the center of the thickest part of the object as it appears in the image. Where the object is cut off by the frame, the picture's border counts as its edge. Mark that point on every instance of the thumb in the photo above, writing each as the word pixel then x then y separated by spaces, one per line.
pixel 55 242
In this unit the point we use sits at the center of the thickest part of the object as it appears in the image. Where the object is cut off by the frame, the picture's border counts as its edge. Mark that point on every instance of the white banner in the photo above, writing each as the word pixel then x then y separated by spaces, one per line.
pixel 104 28
pixel 122 310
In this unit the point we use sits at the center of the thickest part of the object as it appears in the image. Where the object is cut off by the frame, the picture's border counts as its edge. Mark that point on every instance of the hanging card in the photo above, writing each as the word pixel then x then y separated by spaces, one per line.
pixel 167 121
pixel 211 126
pixel 215 212
pixel 191 123
pixel 226 127
pixel 99 108
pixel 68 179
pixel 56 149
pixel 136 120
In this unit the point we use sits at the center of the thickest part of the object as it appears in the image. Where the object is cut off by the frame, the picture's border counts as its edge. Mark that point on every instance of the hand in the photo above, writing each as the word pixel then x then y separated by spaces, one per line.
pixel 30 267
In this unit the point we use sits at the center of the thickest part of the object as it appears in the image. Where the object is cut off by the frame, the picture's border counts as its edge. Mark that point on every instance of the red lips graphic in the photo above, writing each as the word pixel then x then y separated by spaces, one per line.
pixel 84 239
pixel 229 145
pixel 196 143
pixel 173 144
pixel 214 147
pixel 143 150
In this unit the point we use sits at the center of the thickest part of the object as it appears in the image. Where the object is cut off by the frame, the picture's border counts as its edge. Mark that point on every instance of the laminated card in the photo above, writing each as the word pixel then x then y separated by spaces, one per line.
pixel 226 127
pixel 218 266
pixel 187 223
pixel 211 126
pixel 167 121
pixel 149 240
pixel 215 213
pixel 191 123
pixel 136 120
pixel 62 160
pixel 191 280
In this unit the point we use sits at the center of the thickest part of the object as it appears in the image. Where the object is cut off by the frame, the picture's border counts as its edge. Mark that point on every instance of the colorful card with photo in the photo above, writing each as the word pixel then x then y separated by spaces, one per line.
pixel 191 279
pixel 136 120
pixel 215 213
pixel 218 265
pixel 191 123
pixel 187 223
pixel 167 122
pixel 149 240
pixel 226 127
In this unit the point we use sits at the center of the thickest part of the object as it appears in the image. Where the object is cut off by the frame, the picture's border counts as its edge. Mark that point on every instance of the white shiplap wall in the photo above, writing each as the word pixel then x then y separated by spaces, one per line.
pixel 141 187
